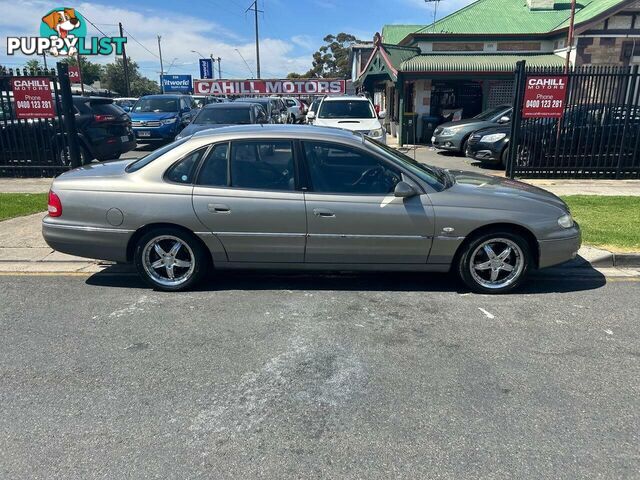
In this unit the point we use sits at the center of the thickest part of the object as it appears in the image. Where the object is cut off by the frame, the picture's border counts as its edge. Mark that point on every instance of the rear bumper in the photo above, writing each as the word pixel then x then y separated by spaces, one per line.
pixel 555 252
pixel 90 242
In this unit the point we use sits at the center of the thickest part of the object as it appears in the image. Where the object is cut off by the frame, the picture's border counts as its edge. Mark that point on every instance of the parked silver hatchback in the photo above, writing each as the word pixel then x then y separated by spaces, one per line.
pixel 280 197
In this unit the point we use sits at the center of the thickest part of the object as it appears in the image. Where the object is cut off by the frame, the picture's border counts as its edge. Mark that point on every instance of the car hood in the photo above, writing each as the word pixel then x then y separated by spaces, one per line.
pixel 477 183
pixel 143 117
pixel 359 124
pixel 504 128
pixel 467 124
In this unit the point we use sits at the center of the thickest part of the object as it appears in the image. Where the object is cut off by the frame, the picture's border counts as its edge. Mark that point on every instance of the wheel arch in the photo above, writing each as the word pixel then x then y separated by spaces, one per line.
pixel 501 227
pixel 137 235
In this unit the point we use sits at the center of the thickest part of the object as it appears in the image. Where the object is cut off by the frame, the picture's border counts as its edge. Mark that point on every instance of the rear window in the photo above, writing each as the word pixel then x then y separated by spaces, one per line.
pixel 224 116
pixel 147 159
pixel 105 109
pixel 346 109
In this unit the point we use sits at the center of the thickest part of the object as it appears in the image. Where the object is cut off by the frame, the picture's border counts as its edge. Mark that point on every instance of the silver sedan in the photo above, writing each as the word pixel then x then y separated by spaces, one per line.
pixel 288 197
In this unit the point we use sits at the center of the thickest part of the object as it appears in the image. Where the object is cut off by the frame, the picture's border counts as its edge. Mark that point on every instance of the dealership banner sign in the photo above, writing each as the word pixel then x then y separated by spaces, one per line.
pixel 206 68
pixel 33 97
pixel 177 83
pixel 544 97
pixel 270 87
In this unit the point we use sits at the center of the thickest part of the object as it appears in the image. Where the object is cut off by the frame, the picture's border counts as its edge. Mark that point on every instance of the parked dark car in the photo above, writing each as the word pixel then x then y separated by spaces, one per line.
pixel 159 118
pixel 104 133
pixel 218 115
pixel 270 105
pixel 452 136
pixel 490 145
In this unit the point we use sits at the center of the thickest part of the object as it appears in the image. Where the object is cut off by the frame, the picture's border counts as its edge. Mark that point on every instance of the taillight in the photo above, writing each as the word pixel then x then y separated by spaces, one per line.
pixel 55 205
pixel 104 118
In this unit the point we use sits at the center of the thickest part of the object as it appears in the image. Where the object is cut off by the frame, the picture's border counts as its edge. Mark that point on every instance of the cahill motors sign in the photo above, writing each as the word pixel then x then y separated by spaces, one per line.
pixel 269 87
pixel 544 97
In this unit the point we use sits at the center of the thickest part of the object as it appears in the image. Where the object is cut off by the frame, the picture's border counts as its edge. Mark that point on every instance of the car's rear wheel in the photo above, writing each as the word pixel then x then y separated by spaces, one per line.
pixel 496 262
pixel 171 260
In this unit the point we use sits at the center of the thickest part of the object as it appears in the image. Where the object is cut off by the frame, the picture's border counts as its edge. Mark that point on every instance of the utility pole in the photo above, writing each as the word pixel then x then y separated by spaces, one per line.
pixel 219 68
pixel 44 57
pixel 572 20
pixel 125 65
pixel 255 11
pixel 161 67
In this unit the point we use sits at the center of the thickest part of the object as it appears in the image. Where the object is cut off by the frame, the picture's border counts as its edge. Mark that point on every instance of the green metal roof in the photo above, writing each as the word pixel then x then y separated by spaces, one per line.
pixel 393 34
pixel 477 63
pixel 514 17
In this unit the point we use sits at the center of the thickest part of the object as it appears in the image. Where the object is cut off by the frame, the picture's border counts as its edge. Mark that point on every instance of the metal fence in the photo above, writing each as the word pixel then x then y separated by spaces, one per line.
pixel 37 147
pixel 598 135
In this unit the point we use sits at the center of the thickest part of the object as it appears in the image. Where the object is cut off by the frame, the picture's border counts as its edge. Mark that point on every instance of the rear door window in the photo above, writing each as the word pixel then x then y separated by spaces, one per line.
pixel 184 170
pixel 214 168
pixel 264 165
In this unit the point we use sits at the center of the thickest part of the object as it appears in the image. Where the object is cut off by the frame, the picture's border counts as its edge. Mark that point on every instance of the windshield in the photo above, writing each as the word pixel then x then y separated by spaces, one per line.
pixel 436 178
pixel 226 116
pixel 156 105
pixel 346 109
pixel 147 159
pixel 314 105
pixel 489 114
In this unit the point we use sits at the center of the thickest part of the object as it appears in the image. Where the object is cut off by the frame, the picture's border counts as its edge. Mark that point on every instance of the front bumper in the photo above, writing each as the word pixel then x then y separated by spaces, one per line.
pixel 162 133
pixel 485 153
pixel 555 252
pixel 450 143
pixel 90 242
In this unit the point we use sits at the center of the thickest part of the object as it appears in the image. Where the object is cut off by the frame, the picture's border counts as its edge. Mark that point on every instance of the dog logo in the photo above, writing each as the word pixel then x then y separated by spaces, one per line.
pixel 65 23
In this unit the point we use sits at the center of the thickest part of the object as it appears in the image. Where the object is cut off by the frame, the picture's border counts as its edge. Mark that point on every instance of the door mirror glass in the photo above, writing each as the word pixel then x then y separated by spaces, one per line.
pixel 382 115
pixel 404 190
pixel 504 119
pixel 311 115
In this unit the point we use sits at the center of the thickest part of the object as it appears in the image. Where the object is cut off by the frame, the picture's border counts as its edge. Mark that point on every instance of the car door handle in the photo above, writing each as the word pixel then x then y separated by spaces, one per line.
pixel 218 208
pixel 320 212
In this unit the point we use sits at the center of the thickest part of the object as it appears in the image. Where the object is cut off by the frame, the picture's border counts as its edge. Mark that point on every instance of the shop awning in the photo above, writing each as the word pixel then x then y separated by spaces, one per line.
pixel 478 63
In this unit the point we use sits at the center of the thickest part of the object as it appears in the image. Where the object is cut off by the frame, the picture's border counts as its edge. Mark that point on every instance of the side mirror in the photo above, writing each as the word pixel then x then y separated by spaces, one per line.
pixel 311 116
pixel 504 119
pixel 404 190
pixel 382 115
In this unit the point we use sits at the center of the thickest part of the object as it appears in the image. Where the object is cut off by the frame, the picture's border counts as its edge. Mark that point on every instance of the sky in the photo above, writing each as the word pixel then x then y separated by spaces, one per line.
pixel 290 30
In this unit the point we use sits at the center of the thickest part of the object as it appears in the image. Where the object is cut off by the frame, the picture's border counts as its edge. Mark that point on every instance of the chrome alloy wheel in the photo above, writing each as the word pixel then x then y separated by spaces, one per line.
pixel 168 260
pixel 497 263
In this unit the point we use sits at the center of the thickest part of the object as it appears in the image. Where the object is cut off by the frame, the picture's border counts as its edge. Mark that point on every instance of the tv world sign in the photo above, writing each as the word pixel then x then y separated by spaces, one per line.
pixel 269 87
pixel 177 83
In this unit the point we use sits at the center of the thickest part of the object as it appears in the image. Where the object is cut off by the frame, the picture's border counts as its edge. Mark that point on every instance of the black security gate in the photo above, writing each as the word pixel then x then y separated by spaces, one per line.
pixel 37 147
pixel 598 135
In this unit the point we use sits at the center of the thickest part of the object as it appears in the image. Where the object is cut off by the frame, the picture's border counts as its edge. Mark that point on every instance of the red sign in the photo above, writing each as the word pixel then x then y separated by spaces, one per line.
pixel 33 97
pixel 74 74
pixel 544 97
pixel 269 87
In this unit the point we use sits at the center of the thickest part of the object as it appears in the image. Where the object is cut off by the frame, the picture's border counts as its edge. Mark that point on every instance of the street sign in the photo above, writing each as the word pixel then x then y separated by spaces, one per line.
pixel 177 83
pixel 206 68
pixel 74 74
pixel 544 97
pixel 33 97
pixel 300 86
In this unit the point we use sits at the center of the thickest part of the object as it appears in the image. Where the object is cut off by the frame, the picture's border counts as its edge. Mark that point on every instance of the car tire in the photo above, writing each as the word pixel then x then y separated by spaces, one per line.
pixel 85 157
pixel 163 253
pixel 465 144
pixel 484 270
pixel 504 157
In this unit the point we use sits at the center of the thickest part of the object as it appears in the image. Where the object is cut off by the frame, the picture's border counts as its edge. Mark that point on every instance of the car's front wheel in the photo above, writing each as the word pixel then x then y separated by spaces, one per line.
pixel 496 262
pixel 171 260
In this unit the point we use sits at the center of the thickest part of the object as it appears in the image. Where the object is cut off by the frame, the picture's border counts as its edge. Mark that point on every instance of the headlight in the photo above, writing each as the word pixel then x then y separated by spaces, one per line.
pixel 493 137
pixel 168 121
pixel 448 132
pixel 566 221
pixel 375 133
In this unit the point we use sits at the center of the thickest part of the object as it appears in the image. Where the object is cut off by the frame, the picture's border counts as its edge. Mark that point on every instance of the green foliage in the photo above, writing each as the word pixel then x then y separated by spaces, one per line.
pixel 19 204
pixel 90 71
pixel 612 222
pixel 332 60
pixel 113 79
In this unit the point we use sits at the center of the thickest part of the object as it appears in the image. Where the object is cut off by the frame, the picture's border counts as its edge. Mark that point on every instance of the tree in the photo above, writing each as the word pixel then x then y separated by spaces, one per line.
pixel 332 60
pixel 293 75
pixel 90 71
pixel 113 79
pixel 33 64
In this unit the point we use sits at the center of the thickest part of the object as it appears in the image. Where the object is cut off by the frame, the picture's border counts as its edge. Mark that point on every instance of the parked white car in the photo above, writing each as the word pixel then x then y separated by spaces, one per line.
pixel 350 113
pixel 294 108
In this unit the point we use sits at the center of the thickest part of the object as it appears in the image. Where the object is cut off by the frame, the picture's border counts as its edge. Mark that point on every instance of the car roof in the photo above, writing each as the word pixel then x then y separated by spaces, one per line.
pixel 280 131
pixel 227 105
pixel 346 97
pixel 164 95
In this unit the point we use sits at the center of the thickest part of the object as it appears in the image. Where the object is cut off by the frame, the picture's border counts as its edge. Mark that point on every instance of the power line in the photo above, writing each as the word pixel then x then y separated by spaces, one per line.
pixel 135 40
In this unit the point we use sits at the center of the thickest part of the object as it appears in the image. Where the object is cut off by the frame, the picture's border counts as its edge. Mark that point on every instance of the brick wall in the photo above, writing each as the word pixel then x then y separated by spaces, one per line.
pixel 603 51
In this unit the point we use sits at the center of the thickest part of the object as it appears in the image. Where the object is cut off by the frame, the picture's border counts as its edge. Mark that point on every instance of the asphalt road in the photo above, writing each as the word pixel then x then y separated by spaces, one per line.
pixel 297 376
